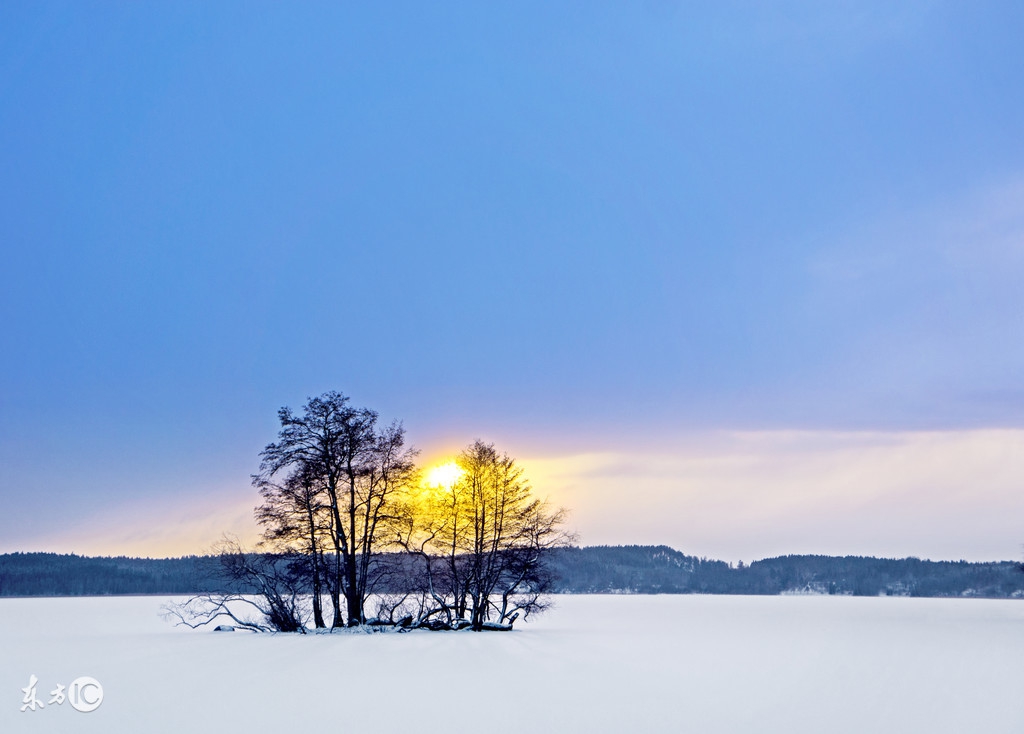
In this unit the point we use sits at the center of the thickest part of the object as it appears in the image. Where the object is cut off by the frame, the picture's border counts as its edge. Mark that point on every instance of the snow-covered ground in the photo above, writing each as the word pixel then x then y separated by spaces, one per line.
pixel 594 664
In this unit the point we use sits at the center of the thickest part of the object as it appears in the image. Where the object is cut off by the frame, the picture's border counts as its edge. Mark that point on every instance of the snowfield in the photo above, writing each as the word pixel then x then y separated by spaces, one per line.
pixel 593 664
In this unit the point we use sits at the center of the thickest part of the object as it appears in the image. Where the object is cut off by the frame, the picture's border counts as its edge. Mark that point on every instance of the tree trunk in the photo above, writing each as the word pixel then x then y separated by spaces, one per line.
pixel 318 608
pixel 353 598
pixel 479 611
pixel 336 594
pixel 352 593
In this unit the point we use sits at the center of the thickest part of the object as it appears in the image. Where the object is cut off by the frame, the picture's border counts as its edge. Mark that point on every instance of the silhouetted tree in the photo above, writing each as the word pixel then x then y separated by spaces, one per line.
pixel 295 523
pixel 358 471
pixel 481 542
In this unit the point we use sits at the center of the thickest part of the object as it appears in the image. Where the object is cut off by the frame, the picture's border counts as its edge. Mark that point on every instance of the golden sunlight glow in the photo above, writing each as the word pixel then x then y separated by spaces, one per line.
pixel 444 475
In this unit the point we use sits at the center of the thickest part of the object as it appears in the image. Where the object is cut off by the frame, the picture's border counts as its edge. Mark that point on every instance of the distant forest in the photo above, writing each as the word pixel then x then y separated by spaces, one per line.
pixel 593 570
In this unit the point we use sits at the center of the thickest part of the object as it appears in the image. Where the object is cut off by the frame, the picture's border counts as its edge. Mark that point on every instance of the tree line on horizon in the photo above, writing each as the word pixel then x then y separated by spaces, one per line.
pixel 575 570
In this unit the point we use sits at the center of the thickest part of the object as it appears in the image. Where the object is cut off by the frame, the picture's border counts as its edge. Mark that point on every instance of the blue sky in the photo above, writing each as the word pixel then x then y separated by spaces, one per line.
pixel 572 230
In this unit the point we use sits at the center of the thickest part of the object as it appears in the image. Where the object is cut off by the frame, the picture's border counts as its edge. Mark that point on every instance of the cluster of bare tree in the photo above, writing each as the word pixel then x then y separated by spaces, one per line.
pixel 477 544
pixel 347 517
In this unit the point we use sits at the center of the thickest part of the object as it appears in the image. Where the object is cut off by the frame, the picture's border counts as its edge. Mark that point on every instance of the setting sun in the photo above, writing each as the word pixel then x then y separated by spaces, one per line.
pixel 444 475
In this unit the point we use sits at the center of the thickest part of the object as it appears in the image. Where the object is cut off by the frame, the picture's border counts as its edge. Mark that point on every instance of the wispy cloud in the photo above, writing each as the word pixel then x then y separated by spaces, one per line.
pixel 980 231
pixel 163 526
pixel 754 494
pixel 920 311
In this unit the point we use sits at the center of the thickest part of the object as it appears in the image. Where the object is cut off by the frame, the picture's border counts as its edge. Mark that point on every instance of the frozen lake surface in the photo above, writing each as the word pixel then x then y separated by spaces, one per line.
pixel 593 664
